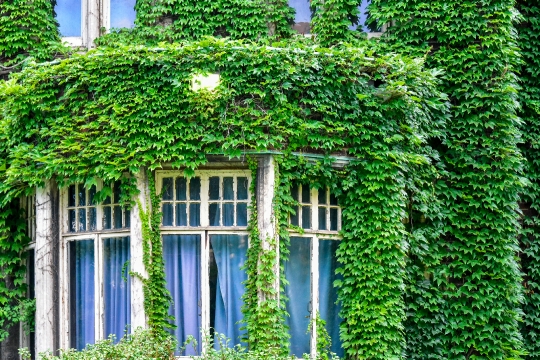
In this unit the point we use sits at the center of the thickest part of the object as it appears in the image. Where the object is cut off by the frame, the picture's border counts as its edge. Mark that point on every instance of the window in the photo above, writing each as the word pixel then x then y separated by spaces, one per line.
pixel 303 15
pixel 311 268
pixel 205 242
pixel 97 285
pixel 80 21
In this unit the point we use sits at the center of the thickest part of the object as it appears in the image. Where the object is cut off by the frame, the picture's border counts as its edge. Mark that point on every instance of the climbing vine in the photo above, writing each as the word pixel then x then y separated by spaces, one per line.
pixel 157 298
pixel 119 109
pixel 468 277
pixel 529 43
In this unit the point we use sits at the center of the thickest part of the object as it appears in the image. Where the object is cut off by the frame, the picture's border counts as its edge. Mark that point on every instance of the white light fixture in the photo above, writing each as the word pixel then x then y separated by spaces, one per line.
pixel 204 81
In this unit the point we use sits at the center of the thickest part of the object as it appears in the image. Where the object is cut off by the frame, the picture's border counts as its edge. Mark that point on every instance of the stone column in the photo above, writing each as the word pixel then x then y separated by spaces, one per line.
pixel 46 267
pixel 267 222
pixel 138 316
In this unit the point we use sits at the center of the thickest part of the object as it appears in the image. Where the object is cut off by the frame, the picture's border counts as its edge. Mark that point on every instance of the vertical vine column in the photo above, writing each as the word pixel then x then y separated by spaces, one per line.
pixel 267 224
pixel 138 316
pixel 372 262
pixel 46 267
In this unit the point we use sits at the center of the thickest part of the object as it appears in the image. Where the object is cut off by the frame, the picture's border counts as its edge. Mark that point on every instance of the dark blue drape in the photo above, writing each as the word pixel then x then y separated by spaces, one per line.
pixel 328 297
pixel 117 287
pixel 182 256
pixel 298 274
pixel 230 252
pixel 82 293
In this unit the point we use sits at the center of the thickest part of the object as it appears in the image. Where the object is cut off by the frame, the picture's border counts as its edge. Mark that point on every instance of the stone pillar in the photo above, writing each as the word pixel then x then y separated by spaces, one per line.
pixel 138 316
pixel 267 222
pixel 46 268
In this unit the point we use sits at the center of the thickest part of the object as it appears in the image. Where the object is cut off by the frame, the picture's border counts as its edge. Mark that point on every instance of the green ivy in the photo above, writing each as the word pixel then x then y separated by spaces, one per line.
pixel 157 298
pixel 529 43
pixel 472 280
pixel 27 28
pixel 14 305
pixel 117 109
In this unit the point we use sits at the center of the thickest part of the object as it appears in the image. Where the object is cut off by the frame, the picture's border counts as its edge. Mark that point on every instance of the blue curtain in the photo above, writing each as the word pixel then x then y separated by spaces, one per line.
pixel 117 289
pixel 68 15
pixel 182 257
pixel 230 253
pixel 82 293
pixel 297 273
pixel 328 297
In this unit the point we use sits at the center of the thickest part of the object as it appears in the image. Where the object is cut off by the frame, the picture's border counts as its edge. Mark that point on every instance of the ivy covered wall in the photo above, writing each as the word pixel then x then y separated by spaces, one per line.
pixel 529 94
pixel 444 279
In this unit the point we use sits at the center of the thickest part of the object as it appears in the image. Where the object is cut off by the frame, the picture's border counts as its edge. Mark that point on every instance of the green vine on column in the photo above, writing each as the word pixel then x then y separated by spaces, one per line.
pixel 157 298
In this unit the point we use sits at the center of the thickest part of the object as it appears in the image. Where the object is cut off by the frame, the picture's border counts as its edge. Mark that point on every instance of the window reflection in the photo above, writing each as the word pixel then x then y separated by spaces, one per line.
pixel 68 15
pixel 122 13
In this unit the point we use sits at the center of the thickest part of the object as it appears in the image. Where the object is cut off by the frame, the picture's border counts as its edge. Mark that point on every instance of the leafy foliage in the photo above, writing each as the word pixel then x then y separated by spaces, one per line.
pixel 529 42
pixel 14 307
pixel 157 298
pixel 27 28
pixel 468 278
pixel 117 109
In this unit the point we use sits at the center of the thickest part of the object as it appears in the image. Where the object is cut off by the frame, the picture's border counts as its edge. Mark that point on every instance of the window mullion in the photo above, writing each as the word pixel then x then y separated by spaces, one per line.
pixel 205 220
pixel 314 293
pixel 314 209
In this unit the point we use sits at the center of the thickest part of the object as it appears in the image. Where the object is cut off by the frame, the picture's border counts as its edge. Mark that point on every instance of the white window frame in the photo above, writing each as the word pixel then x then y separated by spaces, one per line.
pixel 95 14
pixel 98 236
pixel 205 230
pixel 205 175
pixel 316 235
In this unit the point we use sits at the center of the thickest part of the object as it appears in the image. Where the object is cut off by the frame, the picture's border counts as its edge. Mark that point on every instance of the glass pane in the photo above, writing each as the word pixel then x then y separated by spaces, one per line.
pixel 71 195
pixel 241 214
pixel 181 188
pixel 333 199
pixel 118 217
pixel 195 189
pixel 294 217
pixel 82 219
pixel 122 13
pixel 303 11
pixel 322 218
pixel 181 215
pixel 228 214
pixel 213 212
pixel 213 191
pixel 167 214
pixel 194 214
pixel 322 196
pixel 334 219
pixel 182 258
pixel 82 309
pixel 242 188
pixel 82 195
pixel 92 219
pixel 72 221
pixel 116 286
pixel 294 192
pixel 128 218
pixel 68 14
pixel 328 294
pixel 117 191
pixel 91 195
pixel 228 189
pixel 167 189
pixel 306 217
pixel 298 273
pixel 227 257
pixel 107 217
pixel 306 194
